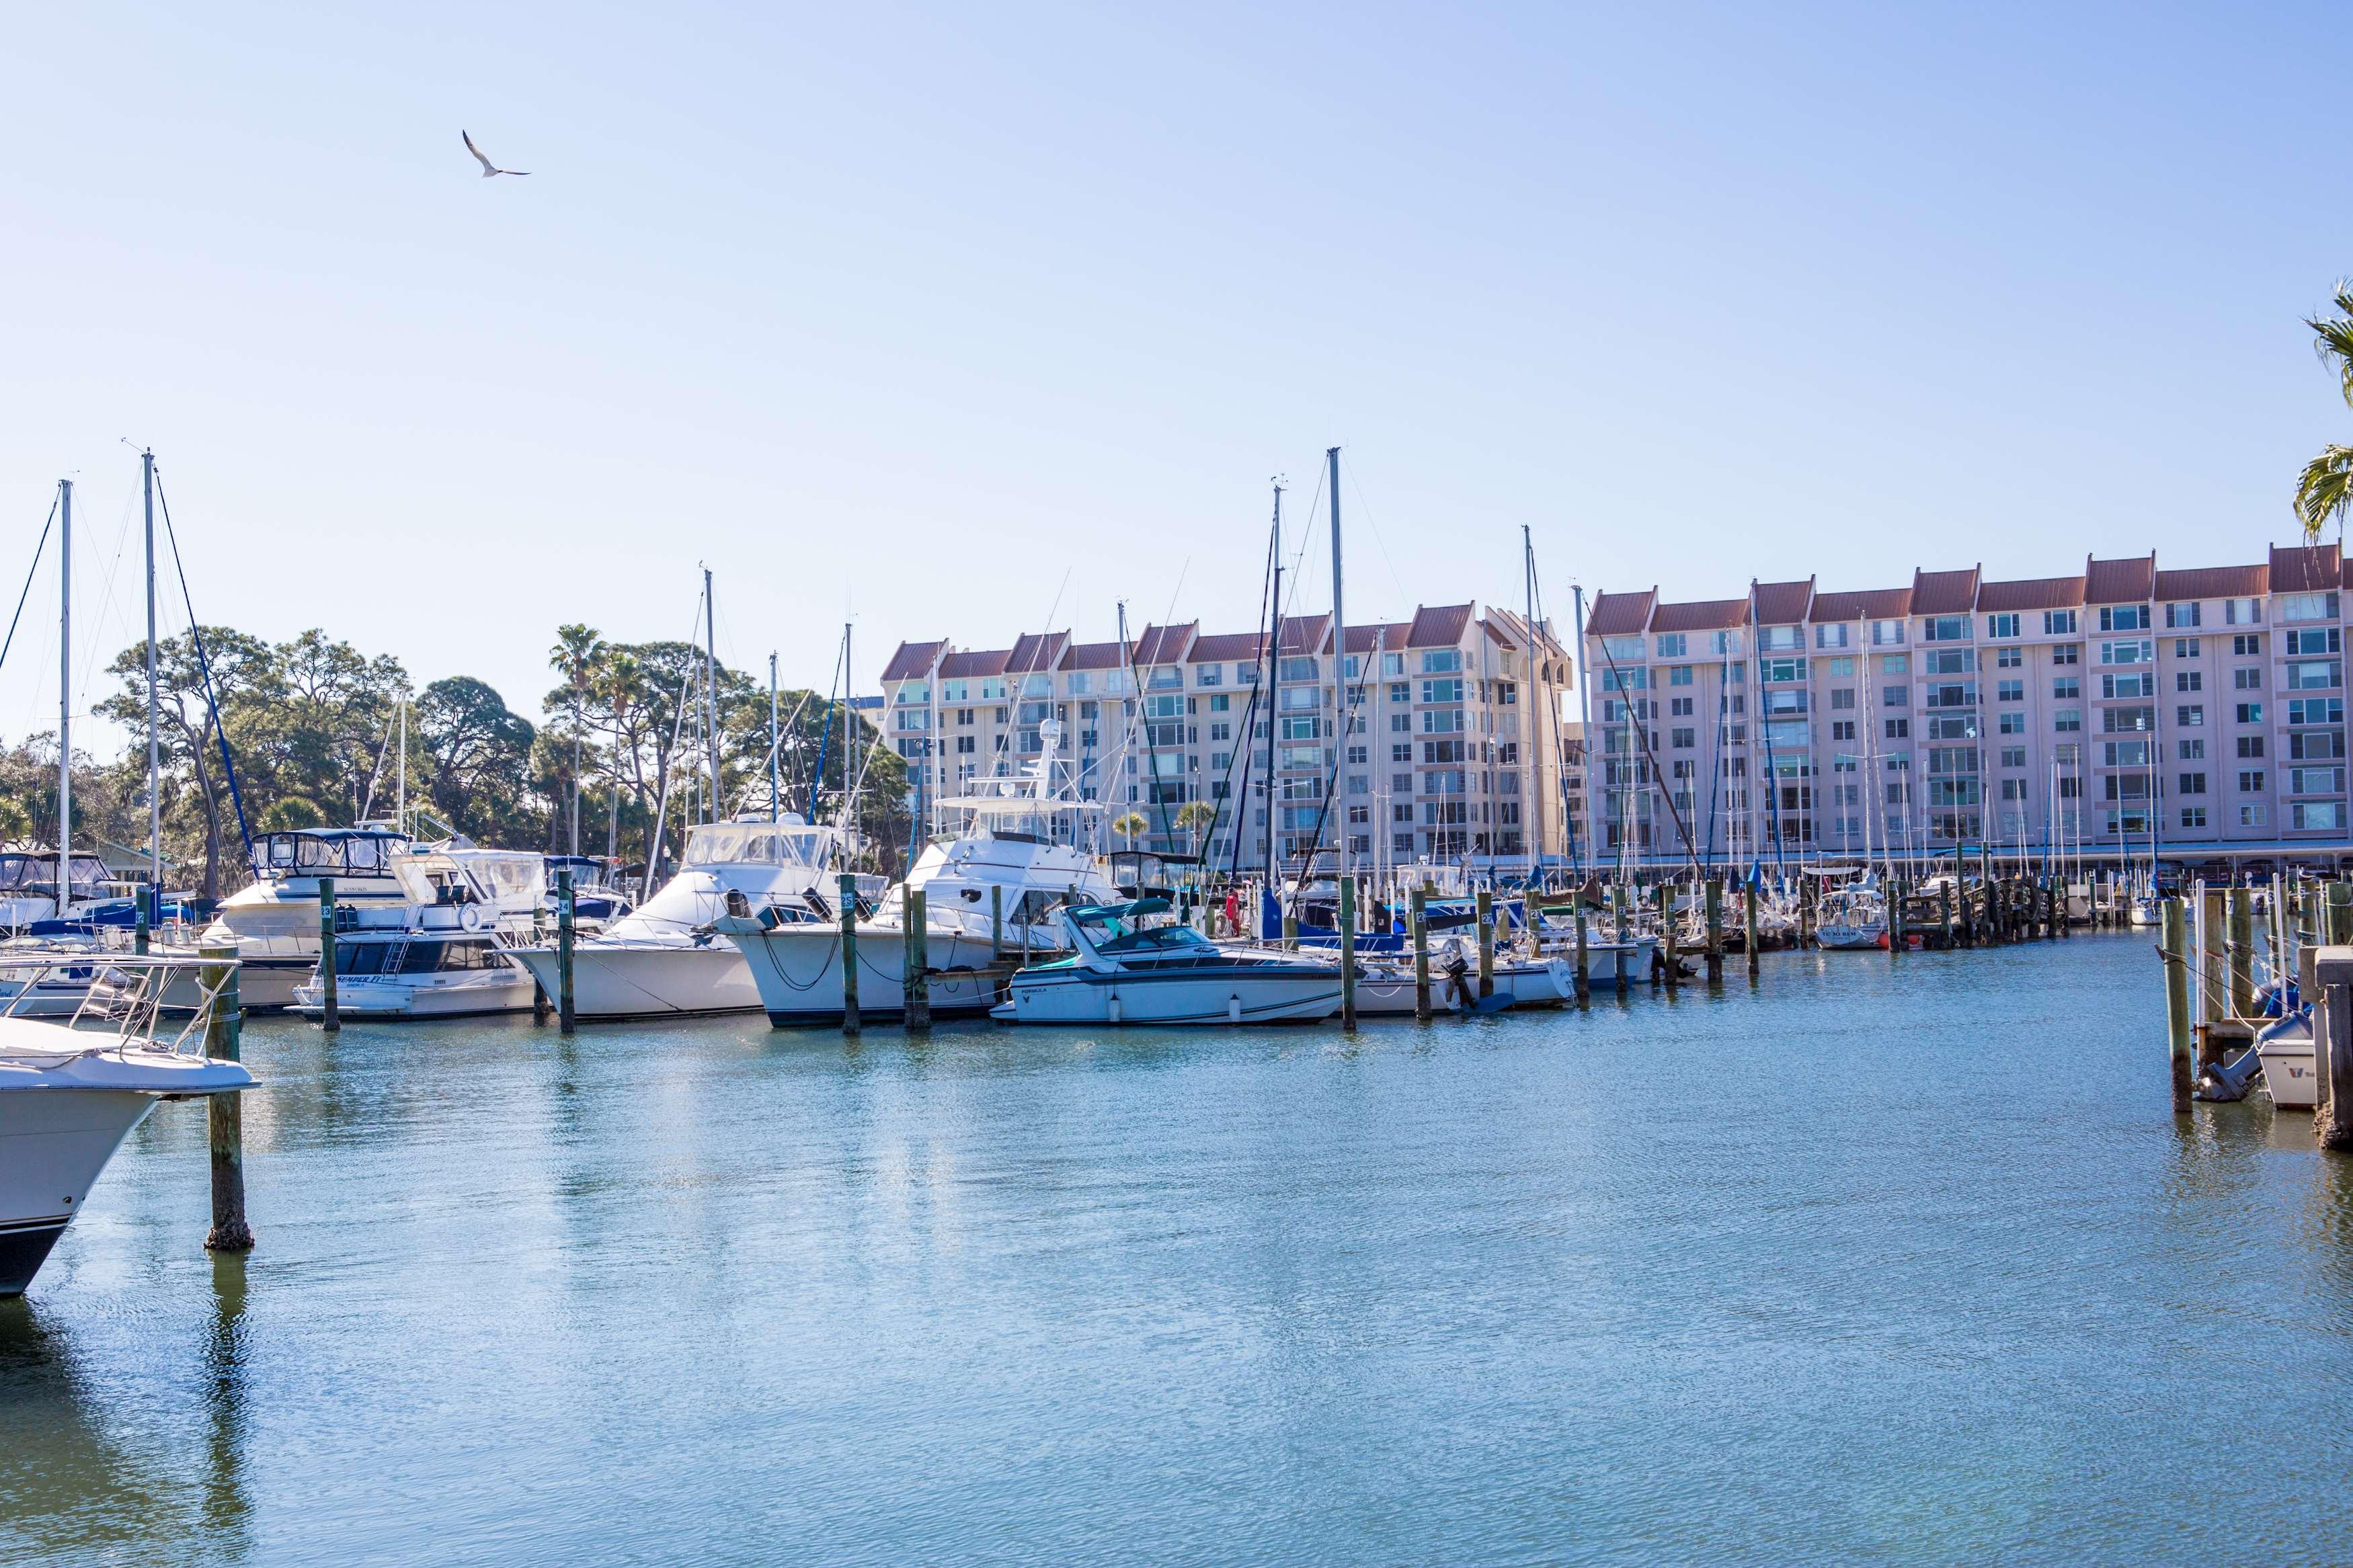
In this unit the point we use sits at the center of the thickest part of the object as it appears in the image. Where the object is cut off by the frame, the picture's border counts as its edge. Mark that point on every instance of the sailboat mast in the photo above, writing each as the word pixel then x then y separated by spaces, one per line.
pixel 775 799
pixel 1531 817
pixel 1273 681
pixel 154 745
pixel 400 786
pixel 710 688
pixel 65 686
pixel 1339 651
pixel 849 717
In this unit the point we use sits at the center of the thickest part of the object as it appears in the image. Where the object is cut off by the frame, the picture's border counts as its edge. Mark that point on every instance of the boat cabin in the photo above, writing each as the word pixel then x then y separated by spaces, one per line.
pixel 326 852
pixel 786 843
pixel 31 873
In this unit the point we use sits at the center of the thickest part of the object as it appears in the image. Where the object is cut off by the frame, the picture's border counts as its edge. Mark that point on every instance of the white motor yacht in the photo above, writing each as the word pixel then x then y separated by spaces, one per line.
pixel 1123 970
pixel 28 888
pixel 995 888
pixel 663 958
pixel 68 1099
pixel 442 953
pixel 274 923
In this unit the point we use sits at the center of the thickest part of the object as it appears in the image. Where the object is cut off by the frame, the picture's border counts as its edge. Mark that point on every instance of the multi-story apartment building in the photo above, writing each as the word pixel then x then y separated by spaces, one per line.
pixel 2200 711
pixel 1453 748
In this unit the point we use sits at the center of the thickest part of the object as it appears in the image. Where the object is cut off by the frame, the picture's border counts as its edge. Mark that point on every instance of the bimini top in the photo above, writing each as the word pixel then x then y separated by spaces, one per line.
pixel 1134 909
pixel 327 852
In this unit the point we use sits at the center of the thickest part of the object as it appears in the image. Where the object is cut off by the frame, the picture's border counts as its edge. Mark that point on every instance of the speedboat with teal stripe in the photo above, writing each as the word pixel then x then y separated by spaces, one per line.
pixel 1125 969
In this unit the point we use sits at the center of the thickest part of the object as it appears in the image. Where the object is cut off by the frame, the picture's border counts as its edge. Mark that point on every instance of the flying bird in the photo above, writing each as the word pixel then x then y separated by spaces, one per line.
pixel 488 168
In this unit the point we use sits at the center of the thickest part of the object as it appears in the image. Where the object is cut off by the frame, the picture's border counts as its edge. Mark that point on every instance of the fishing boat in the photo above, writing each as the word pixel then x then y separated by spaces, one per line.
pixel 2285 1050
pixel 273 923
pixel 1125 969
pixel 992 894
pixel 69 1097
pixel 442 953
pixel 664 958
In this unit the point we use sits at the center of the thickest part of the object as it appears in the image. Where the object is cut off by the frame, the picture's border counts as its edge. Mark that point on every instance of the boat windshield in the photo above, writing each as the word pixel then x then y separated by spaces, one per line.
pixel 757 843
pixel 1157 939
pixel 20 872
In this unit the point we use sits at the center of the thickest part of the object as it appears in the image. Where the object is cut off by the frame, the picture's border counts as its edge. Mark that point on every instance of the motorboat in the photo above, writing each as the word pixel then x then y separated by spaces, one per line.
pixel 1385 983
pixel 992 893
pixel 664 958
pixel 443 953
pixel 28 888
pixel 274 922
pixel 2285 1049
pixel 68 1098
pixel 1125 969
pixel 598 898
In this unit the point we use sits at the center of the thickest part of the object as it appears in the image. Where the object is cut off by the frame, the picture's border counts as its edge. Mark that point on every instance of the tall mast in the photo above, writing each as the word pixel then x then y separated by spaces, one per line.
pixel 775 799
pixel 710 688
pixel 849 717
pixel 1583 675
pixel 65 686
pixel 154 746
pixel 400 788
pixel 1339 652
pixel 1273 681
pixel 1529 814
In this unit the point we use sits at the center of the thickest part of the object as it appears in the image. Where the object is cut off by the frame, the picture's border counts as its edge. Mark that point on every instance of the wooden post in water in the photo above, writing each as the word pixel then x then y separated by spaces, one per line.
pixel 224 1115
pixel 2332 1051
pixel 2340 914
pixel 139 927
pixel 1715 931
pixel 1945 896
pixel 1667 933
pixel 1420 953
pixel 1894 914
pixel 2213 989
pixel 2243 951
pixel 997 924
pixel 848 891
pixel 2175 947
pixel 328 1020
pixel 567 933
pixel 918 986
pixel 1486 944
pixel 1748 913
pixel 1348 952
pixel 1584 969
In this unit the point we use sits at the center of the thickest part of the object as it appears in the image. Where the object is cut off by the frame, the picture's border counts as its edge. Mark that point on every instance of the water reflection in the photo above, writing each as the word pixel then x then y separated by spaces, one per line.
pixel 227 1509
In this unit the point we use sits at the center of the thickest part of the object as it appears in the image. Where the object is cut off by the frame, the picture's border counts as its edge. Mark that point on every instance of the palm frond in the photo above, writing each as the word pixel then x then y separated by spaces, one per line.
pixel 2325 491
pixel 2332 338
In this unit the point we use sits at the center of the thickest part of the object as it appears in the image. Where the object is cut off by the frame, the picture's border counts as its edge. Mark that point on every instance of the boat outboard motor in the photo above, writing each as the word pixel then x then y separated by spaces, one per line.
pixel 2231 1081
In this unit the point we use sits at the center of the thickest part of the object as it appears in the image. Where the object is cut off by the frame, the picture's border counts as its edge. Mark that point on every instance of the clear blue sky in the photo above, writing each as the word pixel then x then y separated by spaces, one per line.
pixel 895 313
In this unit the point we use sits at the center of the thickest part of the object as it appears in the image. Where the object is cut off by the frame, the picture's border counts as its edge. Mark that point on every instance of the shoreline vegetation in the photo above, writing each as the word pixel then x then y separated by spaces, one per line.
pixel 312 730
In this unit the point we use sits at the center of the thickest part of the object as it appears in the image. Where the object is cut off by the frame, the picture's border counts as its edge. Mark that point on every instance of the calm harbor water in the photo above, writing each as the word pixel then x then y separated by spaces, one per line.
pixel 1875 1263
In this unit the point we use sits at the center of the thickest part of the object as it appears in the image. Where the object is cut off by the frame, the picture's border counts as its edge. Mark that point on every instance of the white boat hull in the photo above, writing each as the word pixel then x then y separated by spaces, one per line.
pixel 798 970
pixel 458 995
pixel 1851 938
pixel 1081 995
pixel 614 981
pixel 53 1144
pixel 2289 1071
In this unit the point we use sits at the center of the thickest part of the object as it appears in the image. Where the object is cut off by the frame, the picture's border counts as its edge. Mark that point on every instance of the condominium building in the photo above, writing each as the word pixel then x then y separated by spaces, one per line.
pixel 2122 708
pixel 1436 739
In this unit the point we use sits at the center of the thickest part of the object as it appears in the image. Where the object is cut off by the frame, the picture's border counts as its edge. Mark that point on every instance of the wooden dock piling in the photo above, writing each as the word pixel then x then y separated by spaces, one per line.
pixel 1749 914
pixel 995 924
pixel 1667 934
pixel 2213 988
pixel 2243 951
pixel 1584 961
pixel 1715 931
pixel 139 926
pixel 917 990
pixel 328 1019
pixel 1348 953
pixel 2174 944
pixel 1486 944
pixel 2332 1048
pixel 566 935
pixel 224 1113
pixel 1422 953
pixel 848 886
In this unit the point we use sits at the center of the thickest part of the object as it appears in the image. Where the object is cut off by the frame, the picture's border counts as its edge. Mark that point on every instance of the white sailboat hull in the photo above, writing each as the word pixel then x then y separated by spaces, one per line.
pixel 616 980
pixel 457 994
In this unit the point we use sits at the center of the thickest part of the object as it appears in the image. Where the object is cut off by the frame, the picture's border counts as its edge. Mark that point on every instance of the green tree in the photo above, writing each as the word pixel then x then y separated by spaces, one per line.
pixel 1129 826
pixel 2326 490
pixel 578 653
pixel 1195 817
pixel 478 756
pixel 196 797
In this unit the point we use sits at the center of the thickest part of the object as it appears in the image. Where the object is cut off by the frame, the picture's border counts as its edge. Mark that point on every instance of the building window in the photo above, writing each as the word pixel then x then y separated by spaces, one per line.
pixel 2181 614
pixel 2193 817
pixel 2058 623
pixel 2189 715
pixel 1832 636
pixel 1899 729
pixel 2001 625
pixel 2123 617
pixel 2250 814
pixel 2251 746
pixel 1441 661
pixel 2250 646
pixel 2013 723
pixel 1670 645
pixel 2066 720
pixel 2307 607
pixel 2251 780
pixel 2318 640
pixel 2305 815
pixel 1944 628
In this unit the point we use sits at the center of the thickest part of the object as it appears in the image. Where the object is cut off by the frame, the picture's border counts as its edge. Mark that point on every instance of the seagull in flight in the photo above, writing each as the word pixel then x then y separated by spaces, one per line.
pixel 488 168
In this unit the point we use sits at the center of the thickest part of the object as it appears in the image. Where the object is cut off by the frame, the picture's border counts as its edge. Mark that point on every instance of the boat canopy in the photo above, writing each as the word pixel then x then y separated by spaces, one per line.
pixel 327 852
pixel 26 871
pixel 1134 909
pixel 759 844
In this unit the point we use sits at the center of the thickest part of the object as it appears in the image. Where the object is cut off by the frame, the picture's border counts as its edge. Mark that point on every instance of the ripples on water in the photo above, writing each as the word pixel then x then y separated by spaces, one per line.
pixel 1876 1263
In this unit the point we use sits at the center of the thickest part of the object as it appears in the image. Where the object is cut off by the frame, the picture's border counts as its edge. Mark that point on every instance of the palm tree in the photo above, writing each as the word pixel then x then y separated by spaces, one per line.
pixel 1128 826
pixel 575 658
pixel 1195 817
pixel 616 684
pixel 2326 490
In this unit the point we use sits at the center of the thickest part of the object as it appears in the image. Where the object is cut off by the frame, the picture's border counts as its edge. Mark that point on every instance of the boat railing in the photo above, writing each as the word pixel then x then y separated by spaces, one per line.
pixel 134 1010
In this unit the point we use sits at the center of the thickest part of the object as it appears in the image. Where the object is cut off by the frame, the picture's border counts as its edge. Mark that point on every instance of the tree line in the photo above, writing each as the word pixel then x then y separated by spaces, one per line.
pixel 311 729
